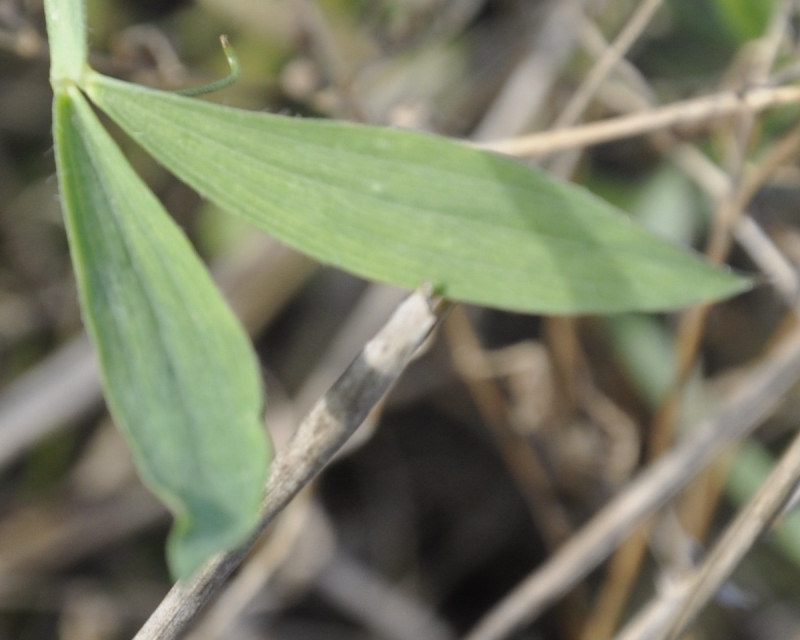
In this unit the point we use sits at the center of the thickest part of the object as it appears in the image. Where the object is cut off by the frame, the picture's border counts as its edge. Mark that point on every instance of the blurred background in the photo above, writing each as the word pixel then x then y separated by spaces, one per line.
pixel 509 431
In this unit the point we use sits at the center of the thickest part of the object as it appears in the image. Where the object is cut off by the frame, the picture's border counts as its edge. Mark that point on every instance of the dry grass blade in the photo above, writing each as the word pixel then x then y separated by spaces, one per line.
pixel 680 114
pixel 610 58
pixel 781 273
pixel 737 540
pixel 59 390
pixel 668 615
pixel 521 100
pixel 755 398
pixel 381 606
pixel 327 427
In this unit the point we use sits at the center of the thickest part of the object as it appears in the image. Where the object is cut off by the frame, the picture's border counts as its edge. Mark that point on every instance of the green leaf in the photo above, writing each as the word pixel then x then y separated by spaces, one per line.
pixel 66 31
pixel 407 208
pixel 746 19
pixel 180 376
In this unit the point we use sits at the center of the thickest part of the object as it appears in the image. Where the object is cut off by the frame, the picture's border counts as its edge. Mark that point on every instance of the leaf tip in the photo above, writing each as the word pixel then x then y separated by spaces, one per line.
pixel 199 536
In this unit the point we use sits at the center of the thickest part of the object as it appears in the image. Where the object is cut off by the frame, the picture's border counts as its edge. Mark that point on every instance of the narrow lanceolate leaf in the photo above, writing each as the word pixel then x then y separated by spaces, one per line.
pixel 408 208
pixel 66 32
pixel 180 376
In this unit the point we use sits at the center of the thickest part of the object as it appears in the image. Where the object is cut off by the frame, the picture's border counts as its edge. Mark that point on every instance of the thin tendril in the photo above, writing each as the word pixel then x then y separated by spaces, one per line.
pixel 235 71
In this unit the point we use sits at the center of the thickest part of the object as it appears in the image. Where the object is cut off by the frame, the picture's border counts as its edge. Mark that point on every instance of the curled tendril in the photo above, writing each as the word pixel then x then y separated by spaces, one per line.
pixel 235 71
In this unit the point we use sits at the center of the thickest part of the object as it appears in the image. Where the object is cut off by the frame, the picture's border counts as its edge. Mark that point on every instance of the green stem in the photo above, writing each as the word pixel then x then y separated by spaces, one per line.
pixel 66 31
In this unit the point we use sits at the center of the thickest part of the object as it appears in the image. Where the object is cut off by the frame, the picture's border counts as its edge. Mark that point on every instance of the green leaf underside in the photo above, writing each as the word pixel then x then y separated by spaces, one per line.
pixel 407 208
pixel 180 375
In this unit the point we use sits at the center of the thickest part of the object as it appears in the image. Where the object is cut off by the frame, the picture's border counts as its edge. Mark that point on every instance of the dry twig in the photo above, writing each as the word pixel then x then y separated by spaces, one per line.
pixel 679 114
pixel 327 427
